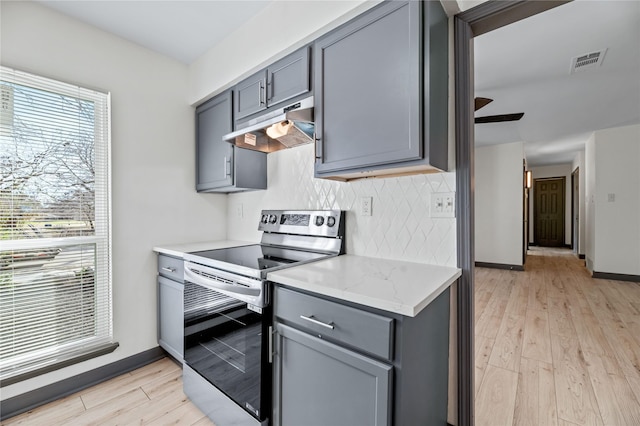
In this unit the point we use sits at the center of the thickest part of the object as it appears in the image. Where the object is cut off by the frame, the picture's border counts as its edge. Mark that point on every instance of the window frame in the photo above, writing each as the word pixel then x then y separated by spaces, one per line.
pixel 57 356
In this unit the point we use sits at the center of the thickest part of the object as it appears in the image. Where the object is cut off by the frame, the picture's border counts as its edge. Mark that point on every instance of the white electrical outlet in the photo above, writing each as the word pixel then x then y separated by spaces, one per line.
pixel 239 211
pixel 366 206
pixel 442 204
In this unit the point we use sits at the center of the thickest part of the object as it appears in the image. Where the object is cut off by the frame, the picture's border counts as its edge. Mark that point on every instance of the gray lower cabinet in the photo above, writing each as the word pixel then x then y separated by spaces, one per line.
pixel 325 384
pixel 341 364
pixel 380 92
pixel 220 166
pixel 171 306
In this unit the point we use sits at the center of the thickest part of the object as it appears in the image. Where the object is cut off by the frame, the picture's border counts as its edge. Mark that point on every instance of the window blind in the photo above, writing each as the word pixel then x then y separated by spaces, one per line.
pixel 55 267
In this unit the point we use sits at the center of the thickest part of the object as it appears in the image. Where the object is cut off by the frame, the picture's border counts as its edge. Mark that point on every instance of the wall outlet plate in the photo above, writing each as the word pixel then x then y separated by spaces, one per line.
pixel 442 204
pixel 366 206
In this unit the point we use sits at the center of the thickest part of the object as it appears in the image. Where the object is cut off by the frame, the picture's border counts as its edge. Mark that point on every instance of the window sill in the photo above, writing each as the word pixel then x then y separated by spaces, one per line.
pixel 93 353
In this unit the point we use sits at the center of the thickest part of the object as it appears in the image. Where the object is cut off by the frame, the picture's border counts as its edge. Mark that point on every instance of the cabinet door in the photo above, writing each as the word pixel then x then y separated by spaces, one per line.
pixel 368 90
pixel 214 157
pixel 318 383
pixel 288 77
pixel 171 317
pixel 250 95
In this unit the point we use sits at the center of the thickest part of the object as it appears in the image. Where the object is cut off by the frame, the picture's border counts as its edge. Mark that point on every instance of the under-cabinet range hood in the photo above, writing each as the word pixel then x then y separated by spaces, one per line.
pixel 285 127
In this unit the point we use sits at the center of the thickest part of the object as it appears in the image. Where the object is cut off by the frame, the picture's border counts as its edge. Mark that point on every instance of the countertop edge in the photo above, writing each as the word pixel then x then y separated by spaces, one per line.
pixel 406 309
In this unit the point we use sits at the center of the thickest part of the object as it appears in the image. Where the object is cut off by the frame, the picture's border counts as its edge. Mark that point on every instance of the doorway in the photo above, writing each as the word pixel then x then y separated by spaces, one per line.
pixel 483 18
pixel 548 212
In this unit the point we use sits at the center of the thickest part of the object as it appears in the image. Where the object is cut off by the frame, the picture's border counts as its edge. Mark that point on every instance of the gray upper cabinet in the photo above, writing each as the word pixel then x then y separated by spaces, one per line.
pixel 289 77
pixel 220 166
pixel 283 80
pixel 250 95
pixel 376 108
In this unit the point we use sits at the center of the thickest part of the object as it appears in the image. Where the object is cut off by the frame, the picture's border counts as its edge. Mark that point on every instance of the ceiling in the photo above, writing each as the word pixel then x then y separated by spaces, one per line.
pixel 182 30
pixel 525 67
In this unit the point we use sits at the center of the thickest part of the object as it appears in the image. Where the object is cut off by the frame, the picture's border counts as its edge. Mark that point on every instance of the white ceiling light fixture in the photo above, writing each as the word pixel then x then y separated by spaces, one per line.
pixel 587 61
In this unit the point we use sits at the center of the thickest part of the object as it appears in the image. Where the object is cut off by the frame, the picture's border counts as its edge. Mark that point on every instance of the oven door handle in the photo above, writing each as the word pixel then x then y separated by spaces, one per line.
pixel 217 285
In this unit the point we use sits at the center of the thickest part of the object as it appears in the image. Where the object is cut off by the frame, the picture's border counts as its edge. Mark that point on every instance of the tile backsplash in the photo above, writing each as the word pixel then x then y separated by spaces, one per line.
pixel 399 227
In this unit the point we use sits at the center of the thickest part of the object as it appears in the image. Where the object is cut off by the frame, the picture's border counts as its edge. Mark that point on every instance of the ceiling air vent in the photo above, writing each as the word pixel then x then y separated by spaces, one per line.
pixel 587 61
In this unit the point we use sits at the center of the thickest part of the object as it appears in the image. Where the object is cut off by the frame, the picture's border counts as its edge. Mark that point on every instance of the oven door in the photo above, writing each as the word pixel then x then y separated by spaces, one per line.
pixel 226 343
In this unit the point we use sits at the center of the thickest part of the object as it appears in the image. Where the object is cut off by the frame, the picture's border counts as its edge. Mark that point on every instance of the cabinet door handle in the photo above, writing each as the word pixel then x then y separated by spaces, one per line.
pixel 311 319
pixel 168 269
pixel 262 92
pixel 318 156
pixel 227 166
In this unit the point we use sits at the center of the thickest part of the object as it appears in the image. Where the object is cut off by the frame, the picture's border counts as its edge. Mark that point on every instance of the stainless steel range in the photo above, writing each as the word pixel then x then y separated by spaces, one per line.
pixel 227 312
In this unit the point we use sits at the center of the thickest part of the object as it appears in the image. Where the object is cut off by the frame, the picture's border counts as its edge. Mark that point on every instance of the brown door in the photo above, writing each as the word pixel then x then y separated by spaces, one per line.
pixel 549 212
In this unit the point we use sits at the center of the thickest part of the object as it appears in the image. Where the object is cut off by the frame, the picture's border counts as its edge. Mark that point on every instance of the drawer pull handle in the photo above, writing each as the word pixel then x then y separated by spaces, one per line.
pixel 310 318
pixel 167 269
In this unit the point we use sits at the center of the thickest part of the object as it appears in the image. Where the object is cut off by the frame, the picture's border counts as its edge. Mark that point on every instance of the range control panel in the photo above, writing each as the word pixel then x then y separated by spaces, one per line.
pixel 329 223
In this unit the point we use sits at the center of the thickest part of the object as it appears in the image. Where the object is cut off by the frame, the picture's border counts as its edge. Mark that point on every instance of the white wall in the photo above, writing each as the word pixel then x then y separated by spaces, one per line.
pixel 499 192
pixel 399 228
pixel 277 30
pixel 154 200
pixel 562 170
pixel 579 163
pixel 617 220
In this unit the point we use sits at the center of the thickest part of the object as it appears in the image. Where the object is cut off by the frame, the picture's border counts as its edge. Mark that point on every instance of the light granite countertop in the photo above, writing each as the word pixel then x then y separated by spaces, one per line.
pixel 390 285
pixel 178 250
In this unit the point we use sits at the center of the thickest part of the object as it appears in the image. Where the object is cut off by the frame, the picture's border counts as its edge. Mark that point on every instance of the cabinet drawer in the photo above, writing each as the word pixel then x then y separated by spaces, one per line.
pixel 171 267
pixel 343 324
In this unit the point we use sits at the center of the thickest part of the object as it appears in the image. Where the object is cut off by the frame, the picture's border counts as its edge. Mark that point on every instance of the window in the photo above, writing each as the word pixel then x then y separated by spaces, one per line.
pixel 55 272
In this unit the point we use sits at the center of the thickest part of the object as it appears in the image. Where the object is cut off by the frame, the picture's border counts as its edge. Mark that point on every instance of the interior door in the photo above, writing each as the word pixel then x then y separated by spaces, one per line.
pixel 549 200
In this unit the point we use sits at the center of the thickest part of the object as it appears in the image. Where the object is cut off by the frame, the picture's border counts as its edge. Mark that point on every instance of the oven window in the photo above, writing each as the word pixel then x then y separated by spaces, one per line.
pixel 225 343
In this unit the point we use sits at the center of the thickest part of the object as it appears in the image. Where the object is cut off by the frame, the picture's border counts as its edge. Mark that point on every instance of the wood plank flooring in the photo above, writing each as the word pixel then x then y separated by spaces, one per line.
pixel 151 395
pixel 555 346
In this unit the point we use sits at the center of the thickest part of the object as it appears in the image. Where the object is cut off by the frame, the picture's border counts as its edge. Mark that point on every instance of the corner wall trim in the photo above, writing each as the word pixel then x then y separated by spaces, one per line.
pixel 616 277
pixel 19 404
pixel 500 266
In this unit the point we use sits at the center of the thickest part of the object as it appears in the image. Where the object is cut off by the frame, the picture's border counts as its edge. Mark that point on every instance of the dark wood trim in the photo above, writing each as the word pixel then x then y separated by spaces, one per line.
pixel 473 22
pixel 494 14
pixel 27 401
pixel 499 266
pixel 575 197
pixel 616 277
pixel 463 51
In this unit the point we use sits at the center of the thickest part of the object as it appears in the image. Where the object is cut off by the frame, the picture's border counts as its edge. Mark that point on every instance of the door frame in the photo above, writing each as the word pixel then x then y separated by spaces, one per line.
pixel 563 179
pixel 471 23
pixel 575 211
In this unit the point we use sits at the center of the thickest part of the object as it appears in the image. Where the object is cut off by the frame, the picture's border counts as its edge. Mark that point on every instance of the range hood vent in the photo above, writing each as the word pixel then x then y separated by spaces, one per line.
pixel 587 61
pixel 285 127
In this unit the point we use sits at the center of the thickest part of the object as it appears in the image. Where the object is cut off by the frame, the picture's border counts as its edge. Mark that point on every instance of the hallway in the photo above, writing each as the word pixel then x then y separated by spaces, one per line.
pixel 555 346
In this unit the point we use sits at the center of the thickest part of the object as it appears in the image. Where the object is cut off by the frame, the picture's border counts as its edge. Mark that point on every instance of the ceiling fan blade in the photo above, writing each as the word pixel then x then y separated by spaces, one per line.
pixel 499 118
pixel 481 102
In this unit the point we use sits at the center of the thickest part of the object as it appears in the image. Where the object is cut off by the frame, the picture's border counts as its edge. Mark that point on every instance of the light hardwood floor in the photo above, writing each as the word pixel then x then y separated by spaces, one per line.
pixel 151 395
pixel 555 346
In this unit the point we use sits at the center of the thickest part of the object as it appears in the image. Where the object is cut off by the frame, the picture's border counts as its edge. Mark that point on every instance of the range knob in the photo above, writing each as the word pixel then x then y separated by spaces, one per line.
pixel 264 218
pixel 331 221
pixel 319 220
pixel 273 218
